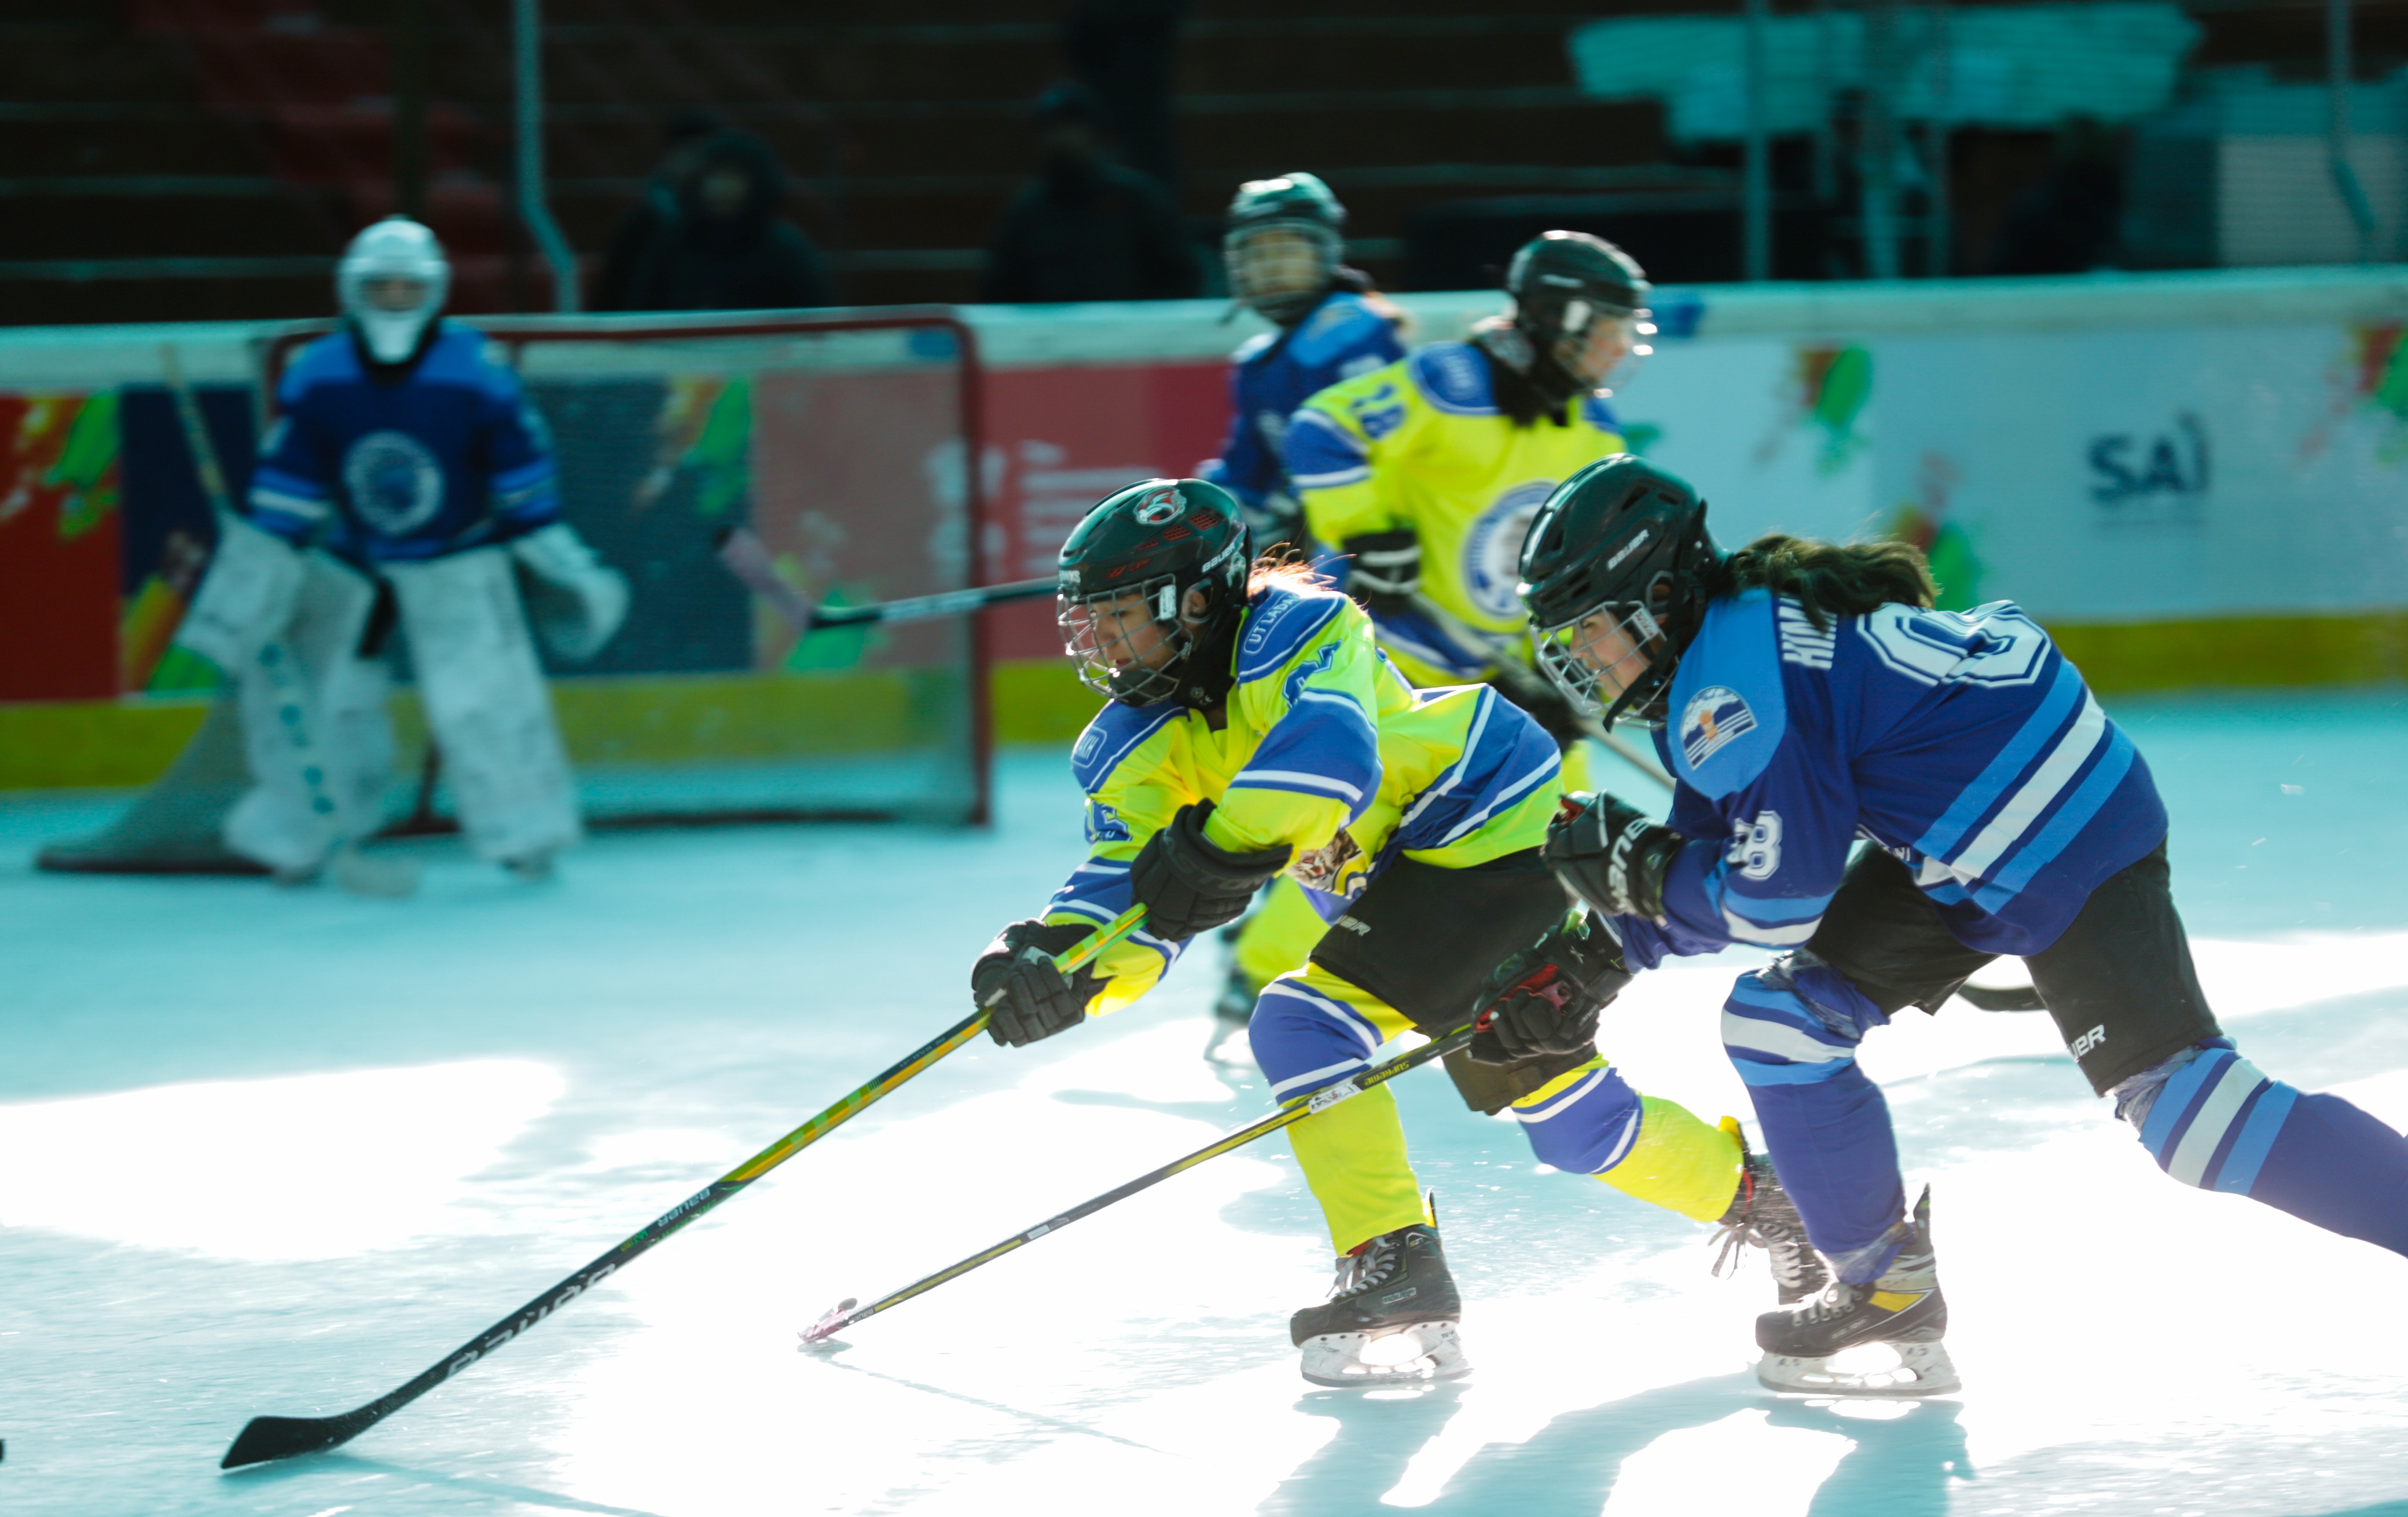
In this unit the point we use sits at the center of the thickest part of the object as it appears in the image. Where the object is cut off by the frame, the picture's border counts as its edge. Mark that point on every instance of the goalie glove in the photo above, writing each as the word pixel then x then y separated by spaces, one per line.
pixel 1189 883
pixel 1613 856
pixel 1388 569
pixel 1027 999
pixel 1545 999
pixel 575 599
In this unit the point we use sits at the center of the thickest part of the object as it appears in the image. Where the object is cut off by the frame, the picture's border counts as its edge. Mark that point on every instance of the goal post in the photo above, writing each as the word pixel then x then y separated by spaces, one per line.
pixel 848 443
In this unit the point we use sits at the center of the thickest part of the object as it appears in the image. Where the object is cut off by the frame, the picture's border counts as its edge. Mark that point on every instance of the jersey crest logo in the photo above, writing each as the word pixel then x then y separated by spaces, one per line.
pixel 1159 507
pixel 1713 717
pixel 1492 550
pixel 394 483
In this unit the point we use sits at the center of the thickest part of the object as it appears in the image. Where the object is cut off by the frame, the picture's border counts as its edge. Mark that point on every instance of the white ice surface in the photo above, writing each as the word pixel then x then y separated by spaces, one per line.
pixel 276 1151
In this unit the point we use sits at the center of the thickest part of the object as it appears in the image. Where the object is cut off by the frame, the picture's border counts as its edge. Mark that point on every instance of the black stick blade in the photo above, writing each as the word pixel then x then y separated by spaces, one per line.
pixel 280 1437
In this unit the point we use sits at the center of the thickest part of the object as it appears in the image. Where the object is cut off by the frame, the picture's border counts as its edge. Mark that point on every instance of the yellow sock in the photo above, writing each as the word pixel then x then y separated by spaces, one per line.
pixel 1352 1155
pixel 1679 1163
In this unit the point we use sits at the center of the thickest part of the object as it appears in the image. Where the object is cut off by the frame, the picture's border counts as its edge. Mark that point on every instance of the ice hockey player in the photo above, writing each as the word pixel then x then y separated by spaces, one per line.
pixel 406 478
pixel 1253 726
pixel 1804 696
pixel 1285 253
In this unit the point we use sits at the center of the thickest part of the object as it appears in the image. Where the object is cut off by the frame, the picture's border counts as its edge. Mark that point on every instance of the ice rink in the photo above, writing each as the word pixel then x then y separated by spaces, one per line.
pixel 276 1151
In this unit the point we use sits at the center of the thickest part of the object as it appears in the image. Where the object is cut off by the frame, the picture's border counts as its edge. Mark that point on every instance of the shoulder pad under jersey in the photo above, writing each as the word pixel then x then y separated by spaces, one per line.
pixel 1454 378
pixel 1253 348
pixel 1112 736
pixel 1728 710
pixel 1595 411
pixel 1279 621
pixel 1341 326
pixel 330 360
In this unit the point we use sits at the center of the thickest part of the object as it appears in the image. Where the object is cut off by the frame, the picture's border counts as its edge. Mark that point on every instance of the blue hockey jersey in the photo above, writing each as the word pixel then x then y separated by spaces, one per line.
pixel 1272 375
pixel 1964 743
pixel 448 456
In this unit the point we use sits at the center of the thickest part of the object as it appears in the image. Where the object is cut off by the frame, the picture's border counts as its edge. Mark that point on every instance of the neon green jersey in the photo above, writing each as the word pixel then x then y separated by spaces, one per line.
pixel 1421 445
pixel 1323 747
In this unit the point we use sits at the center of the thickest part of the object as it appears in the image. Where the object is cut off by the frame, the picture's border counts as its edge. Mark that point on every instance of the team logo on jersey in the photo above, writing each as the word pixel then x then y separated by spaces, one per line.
pixel 394 483
pixel 1492 552
pixel 1713 716
pixel 1159 507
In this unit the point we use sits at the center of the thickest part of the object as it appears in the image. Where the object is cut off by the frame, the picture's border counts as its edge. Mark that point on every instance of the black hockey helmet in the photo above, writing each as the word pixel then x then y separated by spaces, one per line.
pixel 1616 571
pixel 1283 277
pixel 1129 567
pixel 1563 285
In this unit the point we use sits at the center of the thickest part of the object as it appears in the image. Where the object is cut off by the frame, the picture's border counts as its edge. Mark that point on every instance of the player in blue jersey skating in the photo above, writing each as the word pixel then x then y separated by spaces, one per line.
pixel 1284 252
pixel 1806 696
pixel 408 479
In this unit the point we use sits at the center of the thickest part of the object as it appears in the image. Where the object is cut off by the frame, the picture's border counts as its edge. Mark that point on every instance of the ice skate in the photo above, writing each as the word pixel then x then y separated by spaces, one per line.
pixel 1232 1009
pixel 1391 1317
pixel 1833 1345
pixel 1763 1215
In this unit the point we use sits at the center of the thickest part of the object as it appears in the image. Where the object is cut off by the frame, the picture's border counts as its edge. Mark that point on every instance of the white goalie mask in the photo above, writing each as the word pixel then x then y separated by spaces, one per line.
pixel 391 284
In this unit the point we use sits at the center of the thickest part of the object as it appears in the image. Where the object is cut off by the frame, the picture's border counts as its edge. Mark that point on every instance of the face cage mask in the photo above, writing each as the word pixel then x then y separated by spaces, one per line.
pixel 390 335
pixel 1642 673
pixel 1134 684
pixel 1281 276
pixel 1581 322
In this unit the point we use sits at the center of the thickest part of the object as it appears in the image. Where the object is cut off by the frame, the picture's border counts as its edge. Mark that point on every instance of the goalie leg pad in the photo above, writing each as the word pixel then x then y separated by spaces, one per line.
pixel 486 704
pixel 245 598
pixel 315 731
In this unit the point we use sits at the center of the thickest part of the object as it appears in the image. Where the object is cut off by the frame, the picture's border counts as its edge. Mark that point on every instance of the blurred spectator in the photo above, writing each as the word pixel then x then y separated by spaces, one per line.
pixel 1124 52
pixel 2068 223
pixel 722 246
pixel 1086 228
pixel 682 136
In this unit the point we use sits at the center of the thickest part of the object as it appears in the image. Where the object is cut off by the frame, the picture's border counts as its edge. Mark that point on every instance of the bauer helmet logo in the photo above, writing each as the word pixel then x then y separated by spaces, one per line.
pixel 1159 507
pixel 1630 547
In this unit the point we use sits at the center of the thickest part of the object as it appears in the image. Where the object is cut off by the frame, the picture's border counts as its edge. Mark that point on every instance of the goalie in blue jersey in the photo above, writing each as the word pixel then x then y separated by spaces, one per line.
pixel 1806 696
pixel 407 480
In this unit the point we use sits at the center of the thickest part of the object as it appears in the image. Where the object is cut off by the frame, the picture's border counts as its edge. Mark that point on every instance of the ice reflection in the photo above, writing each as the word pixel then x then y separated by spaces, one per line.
pixel 307 1166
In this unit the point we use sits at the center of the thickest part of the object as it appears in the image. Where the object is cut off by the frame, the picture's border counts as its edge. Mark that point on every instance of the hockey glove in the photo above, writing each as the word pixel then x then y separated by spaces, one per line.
pixel 1025 997
pixel 1388 569
pixel 1613 856
pixel 575 599
pixel 1188 884
pixel 1546 998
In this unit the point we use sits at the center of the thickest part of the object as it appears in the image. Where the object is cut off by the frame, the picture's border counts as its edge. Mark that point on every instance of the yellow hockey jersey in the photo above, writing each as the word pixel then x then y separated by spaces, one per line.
pixel 1324 746
pixel 1421 445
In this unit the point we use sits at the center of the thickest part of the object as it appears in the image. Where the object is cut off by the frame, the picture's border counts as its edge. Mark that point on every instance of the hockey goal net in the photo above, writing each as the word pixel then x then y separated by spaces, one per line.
pixel 845 443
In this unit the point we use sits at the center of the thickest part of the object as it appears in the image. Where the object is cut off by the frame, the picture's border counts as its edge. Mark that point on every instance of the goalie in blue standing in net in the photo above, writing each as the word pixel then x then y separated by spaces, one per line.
pixel 1805 696
pixel 406 479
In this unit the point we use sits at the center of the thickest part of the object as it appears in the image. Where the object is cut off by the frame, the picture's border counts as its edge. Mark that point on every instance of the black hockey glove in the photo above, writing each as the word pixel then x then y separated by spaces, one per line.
pixel 1025 997
pixel 1386 571
pixel 1545 999
pixel 1189 884
pixel 1613 856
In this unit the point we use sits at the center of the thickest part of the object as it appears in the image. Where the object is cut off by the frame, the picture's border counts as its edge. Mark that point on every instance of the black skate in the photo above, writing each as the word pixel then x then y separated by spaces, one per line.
pixel 1390 1317
pixel 1763 1215
pixel 1903 1311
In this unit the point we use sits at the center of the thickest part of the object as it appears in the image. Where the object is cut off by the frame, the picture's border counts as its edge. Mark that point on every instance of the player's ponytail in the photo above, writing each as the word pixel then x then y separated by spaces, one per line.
pixel 1284 567
pixel 1832 579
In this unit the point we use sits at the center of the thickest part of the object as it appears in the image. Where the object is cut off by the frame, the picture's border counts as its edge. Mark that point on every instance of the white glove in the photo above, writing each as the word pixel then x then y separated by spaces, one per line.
pixel 246 598
pixel 576 600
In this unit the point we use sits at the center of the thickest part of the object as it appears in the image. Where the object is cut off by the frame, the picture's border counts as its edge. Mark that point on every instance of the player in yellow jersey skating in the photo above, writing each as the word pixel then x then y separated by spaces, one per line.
pixel 1424 474
pixel 1254 727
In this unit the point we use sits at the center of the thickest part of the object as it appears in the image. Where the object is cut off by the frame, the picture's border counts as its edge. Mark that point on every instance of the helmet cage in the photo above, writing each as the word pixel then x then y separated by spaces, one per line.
pixel 1614 659
pixel 1285 277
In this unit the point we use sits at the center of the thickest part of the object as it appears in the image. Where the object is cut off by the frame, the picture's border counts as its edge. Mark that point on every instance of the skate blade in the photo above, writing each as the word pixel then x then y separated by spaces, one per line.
pixel 1354 1361
pixel 1921 1369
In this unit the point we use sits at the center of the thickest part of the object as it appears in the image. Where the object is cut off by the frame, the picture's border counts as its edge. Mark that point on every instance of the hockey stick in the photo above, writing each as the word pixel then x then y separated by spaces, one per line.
pixel 847 1313
pixel 1529 681
pixel 748 558
pixel 280 1437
